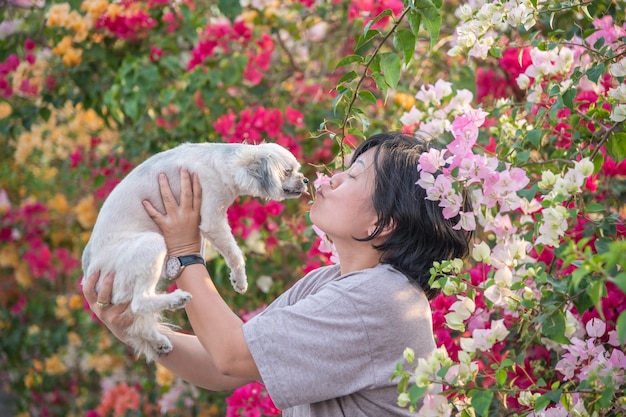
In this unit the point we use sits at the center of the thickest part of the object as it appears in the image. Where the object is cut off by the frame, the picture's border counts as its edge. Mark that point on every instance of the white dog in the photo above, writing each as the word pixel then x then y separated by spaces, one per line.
pixel 127 242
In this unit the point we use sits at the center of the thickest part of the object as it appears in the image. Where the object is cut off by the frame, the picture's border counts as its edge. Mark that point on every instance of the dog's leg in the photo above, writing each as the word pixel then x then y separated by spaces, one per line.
pixel 219 233
pixel 138 269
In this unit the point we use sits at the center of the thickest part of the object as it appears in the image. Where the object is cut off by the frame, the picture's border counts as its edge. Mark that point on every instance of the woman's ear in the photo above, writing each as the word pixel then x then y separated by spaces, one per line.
pixel 386 230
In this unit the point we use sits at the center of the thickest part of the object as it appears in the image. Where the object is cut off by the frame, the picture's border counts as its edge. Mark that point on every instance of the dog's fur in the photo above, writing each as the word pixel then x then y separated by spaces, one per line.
pixel 127 242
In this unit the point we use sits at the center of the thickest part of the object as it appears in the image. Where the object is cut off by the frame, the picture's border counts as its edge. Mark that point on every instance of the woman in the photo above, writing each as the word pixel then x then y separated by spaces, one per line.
pixel 329 344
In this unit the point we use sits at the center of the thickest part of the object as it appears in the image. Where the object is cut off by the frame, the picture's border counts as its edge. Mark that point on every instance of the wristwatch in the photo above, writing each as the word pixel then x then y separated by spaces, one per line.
pixel 175 264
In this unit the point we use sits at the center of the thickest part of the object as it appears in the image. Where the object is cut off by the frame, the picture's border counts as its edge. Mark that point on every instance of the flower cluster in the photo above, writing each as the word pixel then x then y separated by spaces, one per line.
pixel 257 124
pixel 538 201
pixel 223 39
pixel 482 20
pixel 461 169
pixel 251 400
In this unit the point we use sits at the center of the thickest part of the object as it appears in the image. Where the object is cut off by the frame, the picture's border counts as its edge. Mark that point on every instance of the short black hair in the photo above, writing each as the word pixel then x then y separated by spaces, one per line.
pixel 420 235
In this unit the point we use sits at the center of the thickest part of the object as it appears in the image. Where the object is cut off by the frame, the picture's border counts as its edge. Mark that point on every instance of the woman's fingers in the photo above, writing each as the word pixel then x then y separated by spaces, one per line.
pixel 166 193
pixel 103 300
pixel 186 191
pixel 197 193
pixel 89 287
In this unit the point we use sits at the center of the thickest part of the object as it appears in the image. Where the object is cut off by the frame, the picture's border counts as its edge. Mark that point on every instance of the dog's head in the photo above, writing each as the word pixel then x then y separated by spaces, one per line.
pixel 269 171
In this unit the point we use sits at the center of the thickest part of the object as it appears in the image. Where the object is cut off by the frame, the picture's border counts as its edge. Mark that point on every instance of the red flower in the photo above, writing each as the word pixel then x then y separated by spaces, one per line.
pixel 514 64
pixel 251 400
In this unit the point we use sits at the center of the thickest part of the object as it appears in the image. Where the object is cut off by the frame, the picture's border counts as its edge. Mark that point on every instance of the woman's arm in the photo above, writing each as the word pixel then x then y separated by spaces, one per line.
pixel 189 359
pixel 192 362
pixel 218 329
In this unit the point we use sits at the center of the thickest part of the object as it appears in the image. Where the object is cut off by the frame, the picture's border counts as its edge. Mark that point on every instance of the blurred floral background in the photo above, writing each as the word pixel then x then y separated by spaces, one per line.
pixel 89 89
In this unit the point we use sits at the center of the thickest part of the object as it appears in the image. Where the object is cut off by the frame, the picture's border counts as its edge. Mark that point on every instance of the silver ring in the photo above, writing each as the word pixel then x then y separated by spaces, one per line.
pixel 102 305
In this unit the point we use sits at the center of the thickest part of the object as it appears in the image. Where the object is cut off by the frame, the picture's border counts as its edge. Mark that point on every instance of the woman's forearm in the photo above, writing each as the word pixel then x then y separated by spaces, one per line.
pixel 190 361
pixel 219 329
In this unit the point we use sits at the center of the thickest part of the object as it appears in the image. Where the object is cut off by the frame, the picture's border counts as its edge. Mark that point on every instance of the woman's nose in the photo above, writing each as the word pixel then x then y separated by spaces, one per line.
pixel 335 180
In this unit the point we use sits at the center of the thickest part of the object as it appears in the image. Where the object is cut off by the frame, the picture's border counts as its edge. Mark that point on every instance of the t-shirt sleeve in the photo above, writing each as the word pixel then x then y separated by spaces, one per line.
pixel 304 345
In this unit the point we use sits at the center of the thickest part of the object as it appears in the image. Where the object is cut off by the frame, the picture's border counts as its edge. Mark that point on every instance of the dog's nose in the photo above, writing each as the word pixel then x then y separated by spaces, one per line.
pixel 305 180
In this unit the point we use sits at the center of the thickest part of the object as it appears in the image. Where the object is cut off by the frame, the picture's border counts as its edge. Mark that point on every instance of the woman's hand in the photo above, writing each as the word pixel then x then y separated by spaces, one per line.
pixel 112 315
pixel 180 222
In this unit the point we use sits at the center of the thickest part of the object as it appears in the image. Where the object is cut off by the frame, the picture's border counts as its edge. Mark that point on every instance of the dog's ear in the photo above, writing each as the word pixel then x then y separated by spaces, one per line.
pixel 255 174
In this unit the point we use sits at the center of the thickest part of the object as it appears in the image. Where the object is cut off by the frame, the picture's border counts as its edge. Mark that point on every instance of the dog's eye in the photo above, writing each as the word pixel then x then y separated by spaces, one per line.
pixel 288 172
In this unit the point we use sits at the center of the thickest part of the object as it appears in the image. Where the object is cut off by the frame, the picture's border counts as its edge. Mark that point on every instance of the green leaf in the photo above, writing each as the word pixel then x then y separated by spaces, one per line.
pixel 501 376
pixel 554 327
pixel 367 96
pixel 596 291
pixel 568 98
pixel 481 401
pixel 348 60
pixel 621 327
pixel 620 281
pixel 366 37
pixel 542 402
pixel 390 65
pixel 404 40
pixel 415 19
pixel 432 19
pixel 594 208
pixel 595 72
pixel 616 146
pixel 230 9
pixel 380 83
pixel 347 77
pixel 415 393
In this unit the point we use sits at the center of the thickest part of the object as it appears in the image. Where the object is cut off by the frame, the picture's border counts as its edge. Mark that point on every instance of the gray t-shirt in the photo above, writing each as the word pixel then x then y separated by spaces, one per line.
pixel 328 346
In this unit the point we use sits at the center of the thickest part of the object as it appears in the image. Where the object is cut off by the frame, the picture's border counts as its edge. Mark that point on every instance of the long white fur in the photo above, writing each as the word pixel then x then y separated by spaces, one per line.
pixel 127 242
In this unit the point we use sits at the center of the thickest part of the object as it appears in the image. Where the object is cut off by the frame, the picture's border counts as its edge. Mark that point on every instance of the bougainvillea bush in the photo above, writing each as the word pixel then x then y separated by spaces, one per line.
pixel 525 102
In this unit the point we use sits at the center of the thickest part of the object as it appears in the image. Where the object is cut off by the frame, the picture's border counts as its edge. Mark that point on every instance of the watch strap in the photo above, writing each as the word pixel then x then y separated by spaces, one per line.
pixel 186 260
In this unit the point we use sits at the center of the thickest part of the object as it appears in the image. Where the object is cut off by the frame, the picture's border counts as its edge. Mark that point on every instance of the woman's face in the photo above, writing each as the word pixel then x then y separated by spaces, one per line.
pixel 343 208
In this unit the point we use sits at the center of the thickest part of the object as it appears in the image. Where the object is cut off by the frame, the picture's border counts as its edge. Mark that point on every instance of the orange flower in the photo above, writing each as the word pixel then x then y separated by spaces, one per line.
pixel 58 203
pixel 72 57
pixel 119 399
pixel 86 212
pixel 57 15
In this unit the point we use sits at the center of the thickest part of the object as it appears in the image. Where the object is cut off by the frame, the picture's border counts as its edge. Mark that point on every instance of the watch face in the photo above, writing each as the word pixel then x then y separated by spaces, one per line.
pixel 172 267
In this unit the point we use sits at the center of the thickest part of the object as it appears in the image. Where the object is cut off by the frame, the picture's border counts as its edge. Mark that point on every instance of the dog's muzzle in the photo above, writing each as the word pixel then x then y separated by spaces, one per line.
pixel 302 186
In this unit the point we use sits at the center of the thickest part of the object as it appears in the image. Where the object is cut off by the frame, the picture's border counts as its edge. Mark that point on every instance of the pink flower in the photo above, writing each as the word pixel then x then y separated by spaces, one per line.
pixel 155 53
pixel 595 328
pixel 513 64
pixel 251 400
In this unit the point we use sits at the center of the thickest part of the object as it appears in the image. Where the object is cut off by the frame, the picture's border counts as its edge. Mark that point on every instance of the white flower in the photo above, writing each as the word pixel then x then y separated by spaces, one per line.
pixel 465 12
pixel 527 398
pixel 460 311
pixel 426 370
pixel 467 344
pixel 584 167
pixel 618 69
pixel 499 296
pixel 264 283
pixel 618 93
pixel 523 81
pixel 484 339
pixel 435 406
pixel 619 113
pixel 411 117
pixel 548 179
pixel 481 252
pixel 553 226
pixel 503 277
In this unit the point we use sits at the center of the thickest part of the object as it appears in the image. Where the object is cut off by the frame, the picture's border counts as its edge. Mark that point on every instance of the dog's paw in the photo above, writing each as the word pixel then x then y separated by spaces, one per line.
pixel 163 348
pixel 180 301
pixel 240 285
